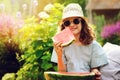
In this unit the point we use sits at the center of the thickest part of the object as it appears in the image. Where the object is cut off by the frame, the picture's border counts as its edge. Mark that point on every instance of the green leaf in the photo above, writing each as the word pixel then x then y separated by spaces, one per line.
pixel 46 65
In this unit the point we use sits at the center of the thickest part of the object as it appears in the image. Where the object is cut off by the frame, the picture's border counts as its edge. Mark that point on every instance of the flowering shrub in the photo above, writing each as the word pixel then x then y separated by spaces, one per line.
pixel 111 33
pixel 111 30
pixel 36 42
pixel 8 26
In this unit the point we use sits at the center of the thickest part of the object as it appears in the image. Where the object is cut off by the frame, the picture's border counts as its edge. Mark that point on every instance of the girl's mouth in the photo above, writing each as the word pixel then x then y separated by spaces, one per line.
pixel 72 29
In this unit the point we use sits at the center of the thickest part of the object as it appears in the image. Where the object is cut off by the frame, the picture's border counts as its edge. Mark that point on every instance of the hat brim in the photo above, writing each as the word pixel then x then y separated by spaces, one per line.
pixel 84 18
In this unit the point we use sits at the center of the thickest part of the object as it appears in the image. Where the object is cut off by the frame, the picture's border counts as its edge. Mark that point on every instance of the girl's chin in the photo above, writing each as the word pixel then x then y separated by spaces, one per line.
pixel 75 33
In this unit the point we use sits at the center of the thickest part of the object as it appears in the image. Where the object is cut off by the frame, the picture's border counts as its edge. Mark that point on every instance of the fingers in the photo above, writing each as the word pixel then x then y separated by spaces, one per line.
pixel 58 48
pixel 97 74
pixel 58 45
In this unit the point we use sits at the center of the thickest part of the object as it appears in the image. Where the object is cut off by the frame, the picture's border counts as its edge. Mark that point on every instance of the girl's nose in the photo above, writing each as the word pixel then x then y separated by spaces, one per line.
pixel 72 24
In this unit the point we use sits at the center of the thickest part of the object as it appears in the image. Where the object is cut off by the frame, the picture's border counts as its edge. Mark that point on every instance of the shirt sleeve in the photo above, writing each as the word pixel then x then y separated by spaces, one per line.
pixel 99 57
pixel 54 57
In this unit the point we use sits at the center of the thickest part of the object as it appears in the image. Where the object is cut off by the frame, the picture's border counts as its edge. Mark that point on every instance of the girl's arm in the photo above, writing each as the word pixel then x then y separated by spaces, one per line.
pixel 59 51
pixel 61 65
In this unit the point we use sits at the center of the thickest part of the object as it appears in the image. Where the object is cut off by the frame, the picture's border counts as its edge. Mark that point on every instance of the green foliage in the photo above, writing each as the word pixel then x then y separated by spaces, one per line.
pixel 35 40
pixel 115 39
pixel 9 76
pixel 99 22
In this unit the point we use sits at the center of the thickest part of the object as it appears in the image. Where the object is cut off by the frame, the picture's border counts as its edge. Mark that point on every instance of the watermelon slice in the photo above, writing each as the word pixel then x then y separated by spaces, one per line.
pixel 68 76
pixel 65 36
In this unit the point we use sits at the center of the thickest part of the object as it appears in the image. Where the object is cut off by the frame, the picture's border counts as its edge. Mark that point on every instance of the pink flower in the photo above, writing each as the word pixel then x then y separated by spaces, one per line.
pixel 8 26
pixel 110 30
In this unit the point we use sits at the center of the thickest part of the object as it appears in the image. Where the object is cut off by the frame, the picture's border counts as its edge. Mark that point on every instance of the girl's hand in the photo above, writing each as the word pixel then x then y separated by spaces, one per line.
pixel 97 73
pixel 58 48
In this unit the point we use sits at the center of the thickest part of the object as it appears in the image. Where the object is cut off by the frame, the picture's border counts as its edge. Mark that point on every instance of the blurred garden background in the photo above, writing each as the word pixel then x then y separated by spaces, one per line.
pixel 27 26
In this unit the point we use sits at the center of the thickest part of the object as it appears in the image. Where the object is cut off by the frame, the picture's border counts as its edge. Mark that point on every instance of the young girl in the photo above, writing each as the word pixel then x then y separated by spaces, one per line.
pixel 84 54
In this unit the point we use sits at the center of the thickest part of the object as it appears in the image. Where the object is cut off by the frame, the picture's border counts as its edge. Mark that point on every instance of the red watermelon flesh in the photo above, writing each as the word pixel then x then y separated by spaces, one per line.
pixel 65 36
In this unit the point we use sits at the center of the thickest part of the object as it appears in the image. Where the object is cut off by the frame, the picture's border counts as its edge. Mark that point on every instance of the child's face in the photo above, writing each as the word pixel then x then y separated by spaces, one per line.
pixel 74 23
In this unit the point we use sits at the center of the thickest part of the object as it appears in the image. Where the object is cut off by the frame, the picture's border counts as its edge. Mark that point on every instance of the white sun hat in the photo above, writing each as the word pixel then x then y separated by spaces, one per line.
pixel 72 10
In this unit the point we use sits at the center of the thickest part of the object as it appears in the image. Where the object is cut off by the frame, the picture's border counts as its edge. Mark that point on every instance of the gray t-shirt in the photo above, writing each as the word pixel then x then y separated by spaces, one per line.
pixel 82 58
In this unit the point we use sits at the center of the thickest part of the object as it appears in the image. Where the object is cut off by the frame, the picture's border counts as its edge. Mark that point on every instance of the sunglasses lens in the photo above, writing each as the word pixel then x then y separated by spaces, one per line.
pixel 76 21
pixel 67 23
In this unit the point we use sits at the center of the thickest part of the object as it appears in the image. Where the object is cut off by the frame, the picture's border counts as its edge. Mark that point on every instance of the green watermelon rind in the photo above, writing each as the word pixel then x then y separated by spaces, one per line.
pixel 55 76
pixel 68 43
pixel 65 44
